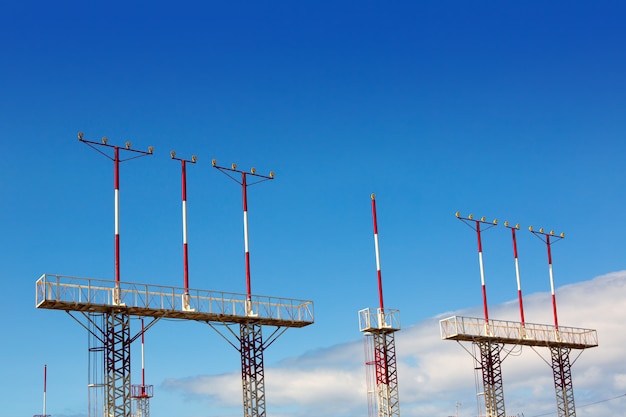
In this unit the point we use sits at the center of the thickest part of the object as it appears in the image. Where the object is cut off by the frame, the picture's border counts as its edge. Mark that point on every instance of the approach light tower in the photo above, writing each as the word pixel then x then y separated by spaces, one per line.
pixel 251 344
pixel 378 328
pixel 490 361
pixel 561 366
pixel 142 393
pixel 115 333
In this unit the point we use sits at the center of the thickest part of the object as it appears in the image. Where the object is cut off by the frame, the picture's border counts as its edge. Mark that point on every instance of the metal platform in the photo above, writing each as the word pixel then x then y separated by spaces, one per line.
pixel 66 293
pixel 471 329
pixel 379 320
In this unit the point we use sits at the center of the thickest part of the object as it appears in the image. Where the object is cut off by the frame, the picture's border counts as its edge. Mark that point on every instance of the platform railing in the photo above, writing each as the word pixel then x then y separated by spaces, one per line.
pixel 97 292
pixel 457 327
pixel 377 318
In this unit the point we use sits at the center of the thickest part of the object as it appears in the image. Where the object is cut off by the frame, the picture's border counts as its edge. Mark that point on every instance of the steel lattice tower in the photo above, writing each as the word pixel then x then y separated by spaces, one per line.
pixel 252 370
pixel 117 366
pixel 491 366
pixel 378 327
pixel 563 386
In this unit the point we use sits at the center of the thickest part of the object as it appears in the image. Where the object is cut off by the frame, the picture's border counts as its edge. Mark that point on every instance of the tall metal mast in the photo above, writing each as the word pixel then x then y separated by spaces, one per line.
pixel 378 328
pixel 561 365
pixel 183 162
pixel 490 361
pixel 251 345
pixel 115 336
pixel 517 274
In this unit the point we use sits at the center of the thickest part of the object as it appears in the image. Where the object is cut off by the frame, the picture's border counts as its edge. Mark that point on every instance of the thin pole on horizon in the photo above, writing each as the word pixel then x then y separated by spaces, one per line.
pixel 517 273
pixel 475 225
pixel 116 185
pixel 545 237
pixel 45 377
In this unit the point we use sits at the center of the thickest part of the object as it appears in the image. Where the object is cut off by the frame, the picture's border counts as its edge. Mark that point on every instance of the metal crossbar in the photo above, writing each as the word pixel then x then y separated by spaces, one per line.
pixel 89 294
pixel 477 329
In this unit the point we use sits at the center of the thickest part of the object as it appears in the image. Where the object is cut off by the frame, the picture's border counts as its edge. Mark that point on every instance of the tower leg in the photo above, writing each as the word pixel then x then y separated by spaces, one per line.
pixel 252 373
pixel 561 368
pixel 117 366
pixel 386 374
pixel 492 378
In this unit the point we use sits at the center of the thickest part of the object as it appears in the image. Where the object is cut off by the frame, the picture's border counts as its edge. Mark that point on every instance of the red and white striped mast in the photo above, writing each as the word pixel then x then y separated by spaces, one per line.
pixel 183 162
pixel 475 225
pixel 545 237
pixel 376 248
pixel 380 281
pixel 143 364
pixel 116 185
pixel 45 378
pixel 244 185
pixel 517 274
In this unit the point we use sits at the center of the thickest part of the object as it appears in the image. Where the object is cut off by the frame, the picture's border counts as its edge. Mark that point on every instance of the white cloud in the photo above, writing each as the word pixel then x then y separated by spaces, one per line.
pixel 434 374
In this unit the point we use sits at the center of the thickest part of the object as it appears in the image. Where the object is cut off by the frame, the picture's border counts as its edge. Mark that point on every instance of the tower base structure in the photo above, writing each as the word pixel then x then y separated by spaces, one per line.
pixel 562 370
pixel 491 368
pixel 378 328
pixel 252 370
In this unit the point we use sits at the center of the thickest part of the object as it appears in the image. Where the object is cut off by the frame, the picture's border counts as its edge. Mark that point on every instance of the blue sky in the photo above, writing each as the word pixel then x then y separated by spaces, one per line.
pixel 514 111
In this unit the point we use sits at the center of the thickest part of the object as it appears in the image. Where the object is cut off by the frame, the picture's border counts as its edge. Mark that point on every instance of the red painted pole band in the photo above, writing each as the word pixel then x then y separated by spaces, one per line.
pixel 117 215
pixel 245 230
pixel 380 280
pixel 185 253
pixel 552 289
pixel 482 271
pixel 517 274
